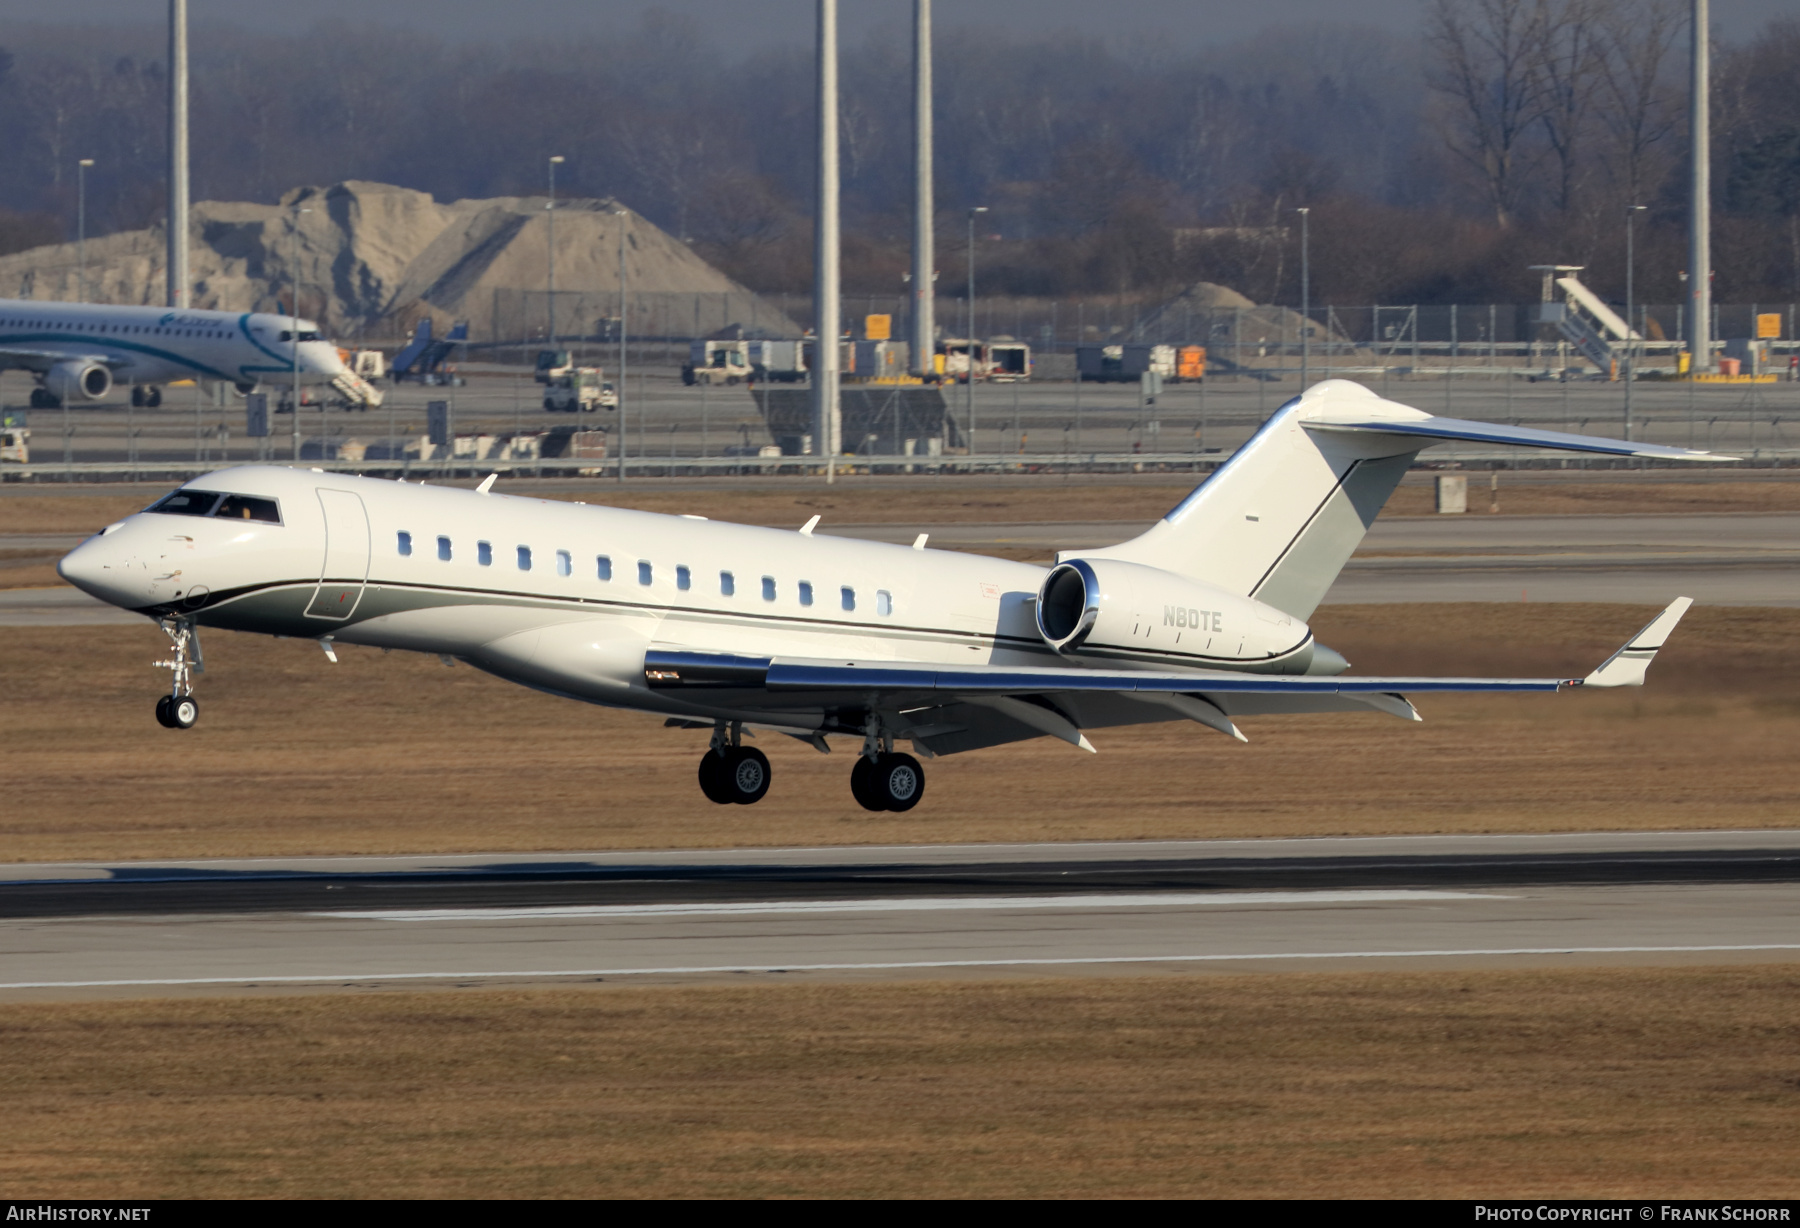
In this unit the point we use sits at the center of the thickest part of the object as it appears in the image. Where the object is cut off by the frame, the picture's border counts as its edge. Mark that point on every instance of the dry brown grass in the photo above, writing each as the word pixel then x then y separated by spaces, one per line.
pixel 1615 1083
pixel 395 753
pixel 1025 499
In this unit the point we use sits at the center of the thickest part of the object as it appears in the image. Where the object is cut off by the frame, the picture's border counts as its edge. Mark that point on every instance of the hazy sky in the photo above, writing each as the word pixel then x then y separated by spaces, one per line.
pixel 754 24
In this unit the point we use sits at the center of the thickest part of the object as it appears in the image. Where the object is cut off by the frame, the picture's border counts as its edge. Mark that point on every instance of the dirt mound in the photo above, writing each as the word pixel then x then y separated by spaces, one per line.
pixel 372 258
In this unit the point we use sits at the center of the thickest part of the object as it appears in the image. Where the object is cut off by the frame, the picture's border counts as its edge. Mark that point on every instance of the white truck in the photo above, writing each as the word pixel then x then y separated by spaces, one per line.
pixel 580 390
pixel 717 362
pixel 15 439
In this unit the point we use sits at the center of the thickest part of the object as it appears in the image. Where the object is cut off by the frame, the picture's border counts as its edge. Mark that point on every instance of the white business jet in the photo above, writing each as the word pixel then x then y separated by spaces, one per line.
pixel 78 351
pixel 737 629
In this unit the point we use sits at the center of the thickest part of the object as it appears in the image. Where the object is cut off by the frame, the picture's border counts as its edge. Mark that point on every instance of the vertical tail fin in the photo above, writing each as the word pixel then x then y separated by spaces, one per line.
pixel 1279 520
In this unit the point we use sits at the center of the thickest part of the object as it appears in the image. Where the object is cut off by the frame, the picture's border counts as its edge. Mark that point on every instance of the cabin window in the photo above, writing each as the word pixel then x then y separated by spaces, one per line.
pixel 564 564
pixel 444 548
pixel 806 592
pixel 684 579
pixel 484 553
pixel 524 558
pixel 847 596
pixel 603 567
pixel 884 602
pixel 405 543
pixel 768 588
pixel 645 572
pixel 727 584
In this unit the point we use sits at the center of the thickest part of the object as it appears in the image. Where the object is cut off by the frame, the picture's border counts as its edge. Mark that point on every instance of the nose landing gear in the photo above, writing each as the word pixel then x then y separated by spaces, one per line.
pixel 179 709
pixel 732 773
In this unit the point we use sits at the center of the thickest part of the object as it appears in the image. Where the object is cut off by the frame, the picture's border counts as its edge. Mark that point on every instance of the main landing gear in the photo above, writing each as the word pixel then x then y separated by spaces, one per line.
pixel 146 396
pixel 731 772
pixel 882 778
pixel 179 709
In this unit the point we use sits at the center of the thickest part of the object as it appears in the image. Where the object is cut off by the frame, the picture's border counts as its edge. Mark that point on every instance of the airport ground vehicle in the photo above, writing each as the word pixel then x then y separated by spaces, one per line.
pixel 717 362
pixel 735 629
pixel 779 362
pixel 15 439
pixel 580 390
pixel 1009 361
pixel 551 364
pixel 1124 364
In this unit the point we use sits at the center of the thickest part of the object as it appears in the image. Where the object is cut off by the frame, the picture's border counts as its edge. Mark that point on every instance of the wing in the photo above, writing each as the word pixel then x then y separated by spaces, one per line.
pixel 42 360
pixel 938 702
pixel 1446 430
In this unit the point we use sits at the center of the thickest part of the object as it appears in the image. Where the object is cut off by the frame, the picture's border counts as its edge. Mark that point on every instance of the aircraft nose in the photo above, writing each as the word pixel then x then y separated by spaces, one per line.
pixel 99 567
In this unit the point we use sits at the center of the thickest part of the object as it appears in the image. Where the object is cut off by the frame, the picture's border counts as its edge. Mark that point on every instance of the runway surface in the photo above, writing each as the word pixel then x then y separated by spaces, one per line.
pixel 152 929
pixel 1719 559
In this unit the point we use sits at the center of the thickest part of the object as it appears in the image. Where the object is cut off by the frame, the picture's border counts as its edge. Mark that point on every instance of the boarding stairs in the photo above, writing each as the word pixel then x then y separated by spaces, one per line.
pixel 1593 339
pixel 358 392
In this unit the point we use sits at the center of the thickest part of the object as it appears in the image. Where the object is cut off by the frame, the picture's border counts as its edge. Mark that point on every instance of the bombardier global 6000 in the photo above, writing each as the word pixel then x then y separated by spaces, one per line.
pixel 736 629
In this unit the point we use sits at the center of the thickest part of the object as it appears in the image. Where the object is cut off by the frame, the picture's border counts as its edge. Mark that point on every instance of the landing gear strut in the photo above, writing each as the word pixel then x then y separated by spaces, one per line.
pixel 179 709
pixel 731 772
pixel 882 778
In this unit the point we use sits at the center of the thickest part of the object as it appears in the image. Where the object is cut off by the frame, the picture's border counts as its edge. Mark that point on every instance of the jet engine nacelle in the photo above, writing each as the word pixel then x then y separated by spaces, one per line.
pixel 1106 607
pixel 79 381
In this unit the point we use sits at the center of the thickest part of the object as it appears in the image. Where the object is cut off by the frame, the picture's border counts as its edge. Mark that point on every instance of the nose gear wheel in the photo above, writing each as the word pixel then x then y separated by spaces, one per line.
pixel 178 709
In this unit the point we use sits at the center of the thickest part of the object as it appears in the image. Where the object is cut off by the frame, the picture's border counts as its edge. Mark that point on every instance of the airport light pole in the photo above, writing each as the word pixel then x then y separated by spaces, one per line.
pixel 1305 297
pixel 1631 333
pixel 623 216
pixel 556 160
pixel 176 275
pixel 81 170
pixel 969 373
pixel 294 280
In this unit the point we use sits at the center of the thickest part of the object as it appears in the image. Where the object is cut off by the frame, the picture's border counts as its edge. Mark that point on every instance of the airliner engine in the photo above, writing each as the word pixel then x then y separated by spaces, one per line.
pixel 1103 607
pixel 79 381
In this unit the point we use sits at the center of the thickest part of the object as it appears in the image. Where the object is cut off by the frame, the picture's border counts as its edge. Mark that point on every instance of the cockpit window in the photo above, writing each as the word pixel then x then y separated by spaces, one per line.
pixel 249 507
pixel 212 503
pixel 186 503
pixel 305 335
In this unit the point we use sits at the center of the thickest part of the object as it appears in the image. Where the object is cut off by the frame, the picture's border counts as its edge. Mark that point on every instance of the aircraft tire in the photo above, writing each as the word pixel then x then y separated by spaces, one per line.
pixel 162 711
pixel 712 779
pixel 746 775
pixel 153 398
pixel 899 781
pixel 862 785
pixel 183 712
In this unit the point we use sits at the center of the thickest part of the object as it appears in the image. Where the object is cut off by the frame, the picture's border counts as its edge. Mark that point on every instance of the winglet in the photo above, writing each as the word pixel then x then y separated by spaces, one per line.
pixel 1626 667
pixel 487 484
pixel 807 528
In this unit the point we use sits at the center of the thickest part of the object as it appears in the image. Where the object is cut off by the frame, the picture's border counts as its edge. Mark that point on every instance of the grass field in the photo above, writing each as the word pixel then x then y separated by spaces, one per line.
pixel 395 753
pixel 1611 1083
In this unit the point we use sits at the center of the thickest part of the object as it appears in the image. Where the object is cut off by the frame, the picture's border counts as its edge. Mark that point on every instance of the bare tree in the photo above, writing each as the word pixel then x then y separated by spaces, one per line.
pixel 1570 73
pixel 1489 66
pixel 1642 104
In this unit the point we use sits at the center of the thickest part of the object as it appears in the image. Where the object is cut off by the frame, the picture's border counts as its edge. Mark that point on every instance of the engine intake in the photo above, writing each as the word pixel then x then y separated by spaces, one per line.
pixel 71 381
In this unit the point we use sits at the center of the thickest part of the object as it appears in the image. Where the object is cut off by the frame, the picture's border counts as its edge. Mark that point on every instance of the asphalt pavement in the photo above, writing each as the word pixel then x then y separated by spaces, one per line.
pixel 1582 899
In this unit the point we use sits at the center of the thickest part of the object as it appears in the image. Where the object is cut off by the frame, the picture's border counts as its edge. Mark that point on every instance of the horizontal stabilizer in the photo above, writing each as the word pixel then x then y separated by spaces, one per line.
pixel 1626 667
pixel 1447 429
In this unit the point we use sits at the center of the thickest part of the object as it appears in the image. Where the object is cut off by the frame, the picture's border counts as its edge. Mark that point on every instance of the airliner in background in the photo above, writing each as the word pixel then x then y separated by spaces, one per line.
pixel 78 351
pixel 737 630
